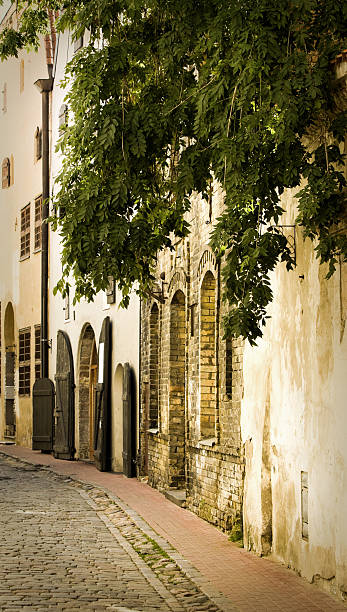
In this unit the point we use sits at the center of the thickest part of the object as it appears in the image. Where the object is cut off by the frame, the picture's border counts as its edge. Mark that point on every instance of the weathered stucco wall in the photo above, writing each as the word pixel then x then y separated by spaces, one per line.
pixel 294 421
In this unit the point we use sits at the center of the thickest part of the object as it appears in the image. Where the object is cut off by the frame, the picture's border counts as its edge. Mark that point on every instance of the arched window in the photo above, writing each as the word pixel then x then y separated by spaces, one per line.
pixel 38 144
pixel 208 362
pixel 6 173
pixel 177 391
pixel 153 367
pixel 63 115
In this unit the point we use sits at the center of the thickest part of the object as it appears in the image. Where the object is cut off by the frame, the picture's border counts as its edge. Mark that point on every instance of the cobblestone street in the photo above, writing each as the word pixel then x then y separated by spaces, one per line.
pixel 67 546
pixel 74 538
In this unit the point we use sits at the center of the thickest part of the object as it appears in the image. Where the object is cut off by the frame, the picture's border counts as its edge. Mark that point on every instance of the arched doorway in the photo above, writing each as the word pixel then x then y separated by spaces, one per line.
pixel 10 353
pixel 177 391
pixel 87 379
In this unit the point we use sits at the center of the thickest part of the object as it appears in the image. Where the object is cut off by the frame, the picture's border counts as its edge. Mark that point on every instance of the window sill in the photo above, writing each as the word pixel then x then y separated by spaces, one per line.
pixel 24 257
pixel 208 442
pixel 37 250
pixel 153 431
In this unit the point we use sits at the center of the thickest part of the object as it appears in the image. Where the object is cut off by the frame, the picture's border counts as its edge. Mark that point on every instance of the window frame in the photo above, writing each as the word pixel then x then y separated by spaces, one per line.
pixel 38 224
pixel 25 232
pixel 24 361
pixel 37 348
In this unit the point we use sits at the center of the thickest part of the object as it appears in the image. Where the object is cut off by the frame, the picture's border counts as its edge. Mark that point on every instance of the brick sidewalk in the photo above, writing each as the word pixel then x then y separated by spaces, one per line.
pixel 252 584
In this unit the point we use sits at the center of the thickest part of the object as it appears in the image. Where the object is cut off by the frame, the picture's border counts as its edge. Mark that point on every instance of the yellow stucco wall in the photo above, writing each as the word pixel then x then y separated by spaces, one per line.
pixel 19 280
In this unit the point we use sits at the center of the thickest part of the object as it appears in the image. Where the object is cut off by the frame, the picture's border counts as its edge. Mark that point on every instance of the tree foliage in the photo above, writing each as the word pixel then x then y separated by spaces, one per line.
pixel 169 96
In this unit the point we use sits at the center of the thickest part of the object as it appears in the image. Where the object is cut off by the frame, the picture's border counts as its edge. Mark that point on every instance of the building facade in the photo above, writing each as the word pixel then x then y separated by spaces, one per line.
pixel 191 381
pixel 20 237
pixel 252 438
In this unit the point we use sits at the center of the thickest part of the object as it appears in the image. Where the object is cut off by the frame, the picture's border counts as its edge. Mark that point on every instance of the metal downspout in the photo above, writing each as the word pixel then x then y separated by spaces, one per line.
pixel 45 86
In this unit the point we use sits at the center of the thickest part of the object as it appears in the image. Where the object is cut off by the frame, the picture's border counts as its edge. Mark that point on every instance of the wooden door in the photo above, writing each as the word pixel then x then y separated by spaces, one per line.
pixel 102 437
pixel 65 400
pixel 10 415
pixel 129 423
pixel 43 409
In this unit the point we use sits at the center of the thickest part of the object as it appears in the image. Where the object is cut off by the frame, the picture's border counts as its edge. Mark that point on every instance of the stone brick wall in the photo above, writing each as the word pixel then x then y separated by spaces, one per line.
pixel 196 445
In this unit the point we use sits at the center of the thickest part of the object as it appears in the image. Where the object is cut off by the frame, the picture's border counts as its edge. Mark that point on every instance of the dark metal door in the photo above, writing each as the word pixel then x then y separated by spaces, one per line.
pixel 102 436
pixel 129 423
pixel 10 416
pixel 43 409
pixel 65 400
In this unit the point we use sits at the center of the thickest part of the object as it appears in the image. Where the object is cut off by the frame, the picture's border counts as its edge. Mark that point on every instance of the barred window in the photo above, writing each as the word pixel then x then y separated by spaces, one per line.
pixel 37 351
pixel 24 361
pixel 25 231
pixel 38 223
pixel 228 367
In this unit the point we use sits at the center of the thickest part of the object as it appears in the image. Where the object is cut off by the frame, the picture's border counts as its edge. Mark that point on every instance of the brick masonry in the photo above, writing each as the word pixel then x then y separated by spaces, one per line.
pixel 191 381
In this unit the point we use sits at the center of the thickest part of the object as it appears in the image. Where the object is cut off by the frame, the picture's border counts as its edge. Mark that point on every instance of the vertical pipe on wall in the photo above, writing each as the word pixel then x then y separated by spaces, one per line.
pixel 45 86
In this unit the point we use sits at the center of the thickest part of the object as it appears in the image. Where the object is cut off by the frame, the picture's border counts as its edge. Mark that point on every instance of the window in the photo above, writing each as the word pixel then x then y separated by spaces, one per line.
pixel 37 351
pixel 228 367
pixel 24 361
pixel 38 224
pixel 38 144
pixel 67 305
pixel 154 367
pixel 304 505
pixel 78 44
pixel 208 362
pixel 111 291
pixel 25 232
pixel 6 173
pixel 63 115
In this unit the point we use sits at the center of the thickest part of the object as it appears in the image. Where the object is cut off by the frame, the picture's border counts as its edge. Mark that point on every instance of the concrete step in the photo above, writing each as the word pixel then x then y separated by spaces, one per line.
pixel 177 496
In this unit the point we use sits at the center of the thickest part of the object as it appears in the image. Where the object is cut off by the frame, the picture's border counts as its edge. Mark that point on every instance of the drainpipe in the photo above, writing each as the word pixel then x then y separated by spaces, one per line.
pixel 45 86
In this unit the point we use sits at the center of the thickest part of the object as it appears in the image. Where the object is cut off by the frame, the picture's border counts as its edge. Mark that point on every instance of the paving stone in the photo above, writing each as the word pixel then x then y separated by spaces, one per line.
pixel 68 546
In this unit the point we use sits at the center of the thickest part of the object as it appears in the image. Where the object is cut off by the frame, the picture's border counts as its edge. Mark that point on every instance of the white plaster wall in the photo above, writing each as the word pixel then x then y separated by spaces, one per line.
pixel 299 372
pixel 20 280
pixel 125 323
